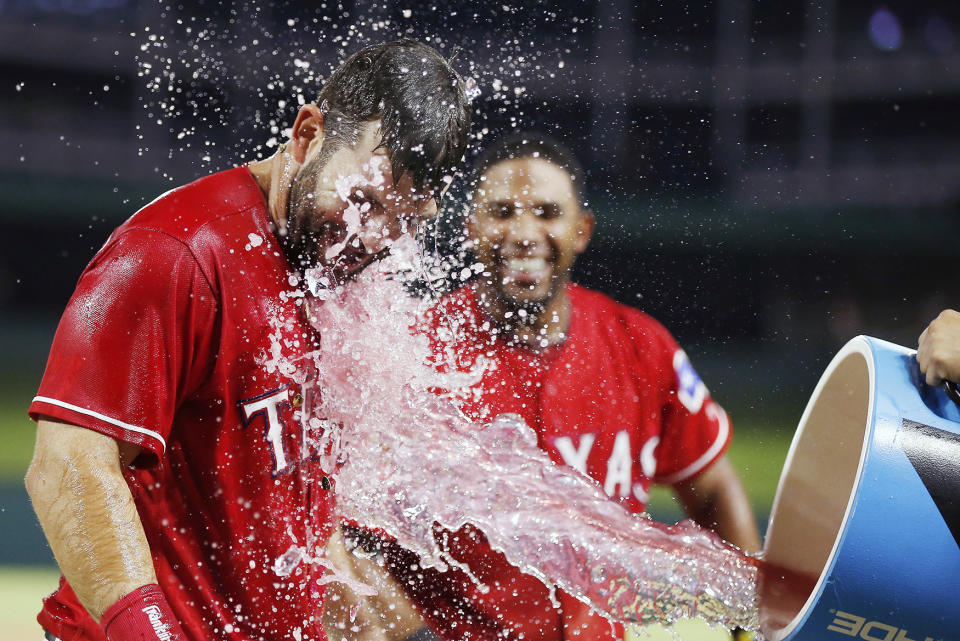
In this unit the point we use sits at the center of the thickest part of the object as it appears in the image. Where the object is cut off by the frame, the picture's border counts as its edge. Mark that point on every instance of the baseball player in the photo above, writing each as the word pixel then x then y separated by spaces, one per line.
pixel 170 474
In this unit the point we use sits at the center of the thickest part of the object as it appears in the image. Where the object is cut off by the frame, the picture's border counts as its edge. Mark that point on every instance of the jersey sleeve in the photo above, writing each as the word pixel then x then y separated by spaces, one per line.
pixel 695 430
pixel 135 337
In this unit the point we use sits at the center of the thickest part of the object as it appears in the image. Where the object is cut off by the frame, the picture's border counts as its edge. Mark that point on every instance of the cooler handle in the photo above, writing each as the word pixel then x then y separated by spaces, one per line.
pixel 953 391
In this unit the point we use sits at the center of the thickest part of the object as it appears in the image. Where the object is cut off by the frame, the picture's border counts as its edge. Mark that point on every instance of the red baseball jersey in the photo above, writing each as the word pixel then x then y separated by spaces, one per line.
pixel 182 337
pixel 618 400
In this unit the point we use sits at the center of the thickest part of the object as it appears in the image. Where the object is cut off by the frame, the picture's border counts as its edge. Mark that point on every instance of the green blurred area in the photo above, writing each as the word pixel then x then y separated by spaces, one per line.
pixel 17 433
pixel 21 590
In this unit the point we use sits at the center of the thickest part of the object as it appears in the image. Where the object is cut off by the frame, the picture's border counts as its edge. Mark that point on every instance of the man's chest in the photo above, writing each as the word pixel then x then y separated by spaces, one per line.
pixel 600 415
pixel 255 416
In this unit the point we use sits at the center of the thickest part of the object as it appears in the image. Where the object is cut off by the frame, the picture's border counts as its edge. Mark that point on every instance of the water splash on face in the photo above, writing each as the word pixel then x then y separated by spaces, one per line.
pixel 410 460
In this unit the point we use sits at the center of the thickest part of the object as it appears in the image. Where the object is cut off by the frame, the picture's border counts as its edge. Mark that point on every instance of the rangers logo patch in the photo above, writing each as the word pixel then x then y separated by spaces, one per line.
pixel 690 389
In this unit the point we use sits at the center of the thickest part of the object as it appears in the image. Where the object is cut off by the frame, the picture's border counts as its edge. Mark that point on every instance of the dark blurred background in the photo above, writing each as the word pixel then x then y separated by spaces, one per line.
pixel 770 178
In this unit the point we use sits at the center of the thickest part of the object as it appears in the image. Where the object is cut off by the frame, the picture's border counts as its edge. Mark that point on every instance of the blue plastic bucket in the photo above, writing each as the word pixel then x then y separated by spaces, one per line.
pixel 868 508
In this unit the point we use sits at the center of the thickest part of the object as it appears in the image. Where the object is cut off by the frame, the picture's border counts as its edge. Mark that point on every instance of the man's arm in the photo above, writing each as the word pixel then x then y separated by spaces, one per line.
pixel 388 615
pixel 84 505
pixel 716 499
pixel 938 352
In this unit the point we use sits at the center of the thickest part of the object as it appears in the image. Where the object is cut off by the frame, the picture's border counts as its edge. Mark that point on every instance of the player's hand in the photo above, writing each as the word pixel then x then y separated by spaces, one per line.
pixel 938 352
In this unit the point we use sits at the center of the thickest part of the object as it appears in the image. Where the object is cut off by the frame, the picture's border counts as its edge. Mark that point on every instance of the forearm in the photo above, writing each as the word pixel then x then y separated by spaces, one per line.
pixel 728 513
pixel 387 616
pixel 717 500
pixel 88 515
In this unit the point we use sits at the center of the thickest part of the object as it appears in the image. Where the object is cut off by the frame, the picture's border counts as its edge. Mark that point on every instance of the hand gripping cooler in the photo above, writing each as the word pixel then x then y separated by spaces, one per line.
pixel 866 522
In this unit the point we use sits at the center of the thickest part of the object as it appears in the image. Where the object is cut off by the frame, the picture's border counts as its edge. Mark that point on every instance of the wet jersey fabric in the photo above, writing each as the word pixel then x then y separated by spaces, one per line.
pixel 175 340
pixel 617 400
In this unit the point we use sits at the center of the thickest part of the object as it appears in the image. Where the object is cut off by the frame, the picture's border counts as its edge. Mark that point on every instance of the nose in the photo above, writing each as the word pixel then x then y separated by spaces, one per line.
pixel 379 232
pixel 525 229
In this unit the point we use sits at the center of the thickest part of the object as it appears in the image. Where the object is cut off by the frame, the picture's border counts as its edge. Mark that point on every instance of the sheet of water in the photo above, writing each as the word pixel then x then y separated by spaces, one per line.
pixel 410 459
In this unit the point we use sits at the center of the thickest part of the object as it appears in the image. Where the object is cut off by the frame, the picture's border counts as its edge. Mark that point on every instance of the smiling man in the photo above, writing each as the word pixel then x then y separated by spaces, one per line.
pixel 606 388
pixel 170 472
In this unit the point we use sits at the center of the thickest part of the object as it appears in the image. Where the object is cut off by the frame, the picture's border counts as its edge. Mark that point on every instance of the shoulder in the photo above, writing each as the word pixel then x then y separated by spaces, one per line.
pixel 185 212
pixel 144 261
pixel 602 310
pixel 209 222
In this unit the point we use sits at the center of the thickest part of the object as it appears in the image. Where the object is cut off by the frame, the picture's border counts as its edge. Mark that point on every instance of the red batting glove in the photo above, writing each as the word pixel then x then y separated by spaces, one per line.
pixel 142 615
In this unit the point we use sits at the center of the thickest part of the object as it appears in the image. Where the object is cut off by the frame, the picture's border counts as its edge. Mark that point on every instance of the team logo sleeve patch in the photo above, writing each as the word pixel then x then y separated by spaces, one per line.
pixel 690 389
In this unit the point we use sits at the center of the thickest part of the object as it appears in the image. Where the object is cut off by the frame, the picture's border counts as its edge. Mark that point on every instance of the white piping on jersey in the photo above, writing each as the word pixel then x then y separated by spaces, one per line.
pixel 640 494
pixel 723 429
pixel 106 419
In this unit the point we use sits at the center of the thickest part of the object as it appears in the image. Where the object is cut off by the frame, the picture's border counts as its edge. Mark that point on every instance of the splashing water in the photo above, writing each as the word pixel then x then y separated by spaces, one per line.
pixel 411 459
pixel 287 562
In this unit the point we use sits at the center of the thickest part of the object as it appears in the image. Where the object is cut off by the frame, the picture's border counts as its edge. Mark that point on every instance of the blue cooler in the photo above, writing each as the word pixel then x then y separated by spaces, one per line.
pixel 866 521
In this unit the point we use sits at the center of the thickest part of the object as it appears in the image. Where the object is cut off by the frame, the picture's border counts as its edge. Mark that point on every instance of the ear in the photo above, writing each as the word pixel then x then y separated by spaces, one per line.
pixel 307 131
pixel 585 224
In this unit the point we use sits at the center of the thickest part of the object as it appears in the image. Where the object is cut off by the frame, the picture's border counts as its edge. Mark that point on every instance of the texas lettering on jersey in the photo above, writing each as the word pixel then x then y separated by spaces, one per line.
pixel 619 479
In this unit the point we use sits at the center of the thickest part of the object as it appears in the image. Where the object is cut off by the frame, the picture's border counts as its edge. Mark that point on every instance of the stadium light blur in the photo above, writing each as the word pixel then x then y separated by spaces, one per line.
pixel 885 30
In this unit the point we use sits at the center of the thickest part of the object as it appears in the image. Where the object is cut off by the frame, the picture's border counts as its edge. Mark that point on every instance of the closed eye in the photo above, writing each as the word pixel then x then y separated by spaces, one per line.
pixel 362 197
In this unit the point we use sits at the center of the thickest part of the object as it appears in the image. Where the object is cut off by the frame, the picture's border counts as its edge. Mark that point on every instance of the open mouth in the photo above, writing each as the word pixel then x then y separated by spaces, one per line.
pixel 526 270
pixel 348 266
pixel 321 281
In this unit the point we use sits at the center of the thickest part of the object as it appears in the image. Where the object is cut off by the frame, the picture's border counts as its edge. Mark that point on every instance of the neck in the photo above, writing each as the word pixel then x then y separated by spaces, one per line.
pixel 274 175
pixel 534 327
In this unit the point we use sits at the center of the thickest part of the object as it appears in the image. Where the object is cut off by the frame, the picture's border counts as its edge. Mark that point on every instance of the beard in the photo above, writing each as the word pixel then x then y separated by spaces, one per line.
pixel 304 235
pixel 533 305
pixel 533 308
pixel 308 235
pixel 533 300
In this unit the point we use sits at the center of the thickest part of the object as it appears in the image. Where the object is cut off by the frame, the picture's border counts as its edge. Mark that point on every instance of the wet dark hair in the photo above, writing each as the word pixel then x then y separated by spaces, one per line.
pixel 532 144
pixel 420 101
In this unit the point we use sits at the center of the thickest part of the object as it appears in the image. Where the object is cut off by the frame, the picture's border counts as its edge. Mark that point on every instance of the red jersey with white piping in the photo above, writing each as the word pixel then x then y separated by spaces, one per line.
pixel 617 400
pixel 179 338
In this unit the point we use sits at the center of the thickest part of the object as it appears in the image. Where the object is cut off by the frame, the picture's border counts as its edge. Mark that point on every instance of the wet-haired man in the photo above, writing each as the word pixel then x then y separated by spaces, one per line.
pixel 169 472
pixel 606 388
